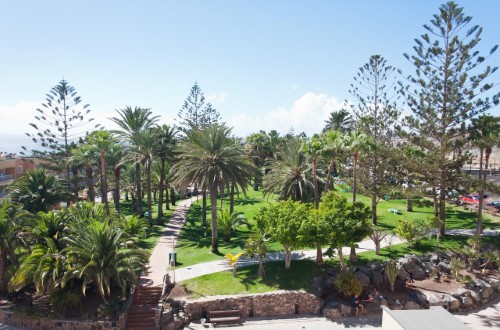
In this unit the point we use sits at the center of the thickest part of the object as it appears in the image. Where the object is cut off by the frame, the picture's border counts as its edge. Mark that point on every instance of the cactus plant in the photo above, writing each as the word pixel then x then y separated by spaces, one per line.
pixel 457 265
pixel 392 271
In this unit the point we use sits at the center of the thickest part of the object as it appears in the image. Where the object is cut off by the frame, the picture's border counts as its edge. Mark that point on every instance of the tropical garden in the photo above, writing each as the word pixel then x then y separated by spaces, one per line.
pixel 399 144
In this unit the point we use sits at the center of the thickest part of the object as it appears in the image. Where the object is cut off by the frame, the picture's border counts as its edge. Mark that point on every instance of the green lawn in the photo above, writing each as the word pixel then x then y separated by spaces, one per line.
pixel 456 216
pixel 298 277
pixel 194 241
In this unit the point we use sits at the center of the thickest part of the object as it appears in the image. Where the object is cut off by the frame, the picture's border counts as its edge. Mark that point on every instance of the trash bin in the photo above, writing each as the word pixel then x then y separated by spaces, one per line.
pixel 172 258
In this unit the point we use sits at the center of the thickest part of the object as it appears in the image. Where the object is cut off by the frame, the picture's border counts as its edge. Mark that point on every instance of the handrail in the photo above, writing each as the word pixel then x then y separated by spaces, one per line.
pixel 159 307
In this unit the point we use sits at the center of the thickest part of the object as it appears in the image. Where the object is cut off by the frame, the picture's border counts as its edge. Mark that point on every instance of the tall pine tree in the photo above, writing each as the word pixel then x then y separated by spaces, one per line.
pixel 450 86
pixel 375 95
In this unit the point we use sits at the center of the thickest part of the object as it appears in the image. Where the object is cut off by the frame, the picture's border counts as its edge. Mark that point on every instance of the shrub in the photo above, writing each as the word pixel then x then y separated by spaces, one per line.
pixel 411 231
pixel 66 301
pixel 457 265
pixel 347 283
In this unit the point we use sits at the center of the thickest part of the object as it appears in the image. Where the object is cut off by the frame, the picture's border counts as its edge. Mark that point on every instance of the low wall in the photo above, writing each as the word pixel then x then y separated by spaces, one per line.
pixel 266 304
pixel 7 317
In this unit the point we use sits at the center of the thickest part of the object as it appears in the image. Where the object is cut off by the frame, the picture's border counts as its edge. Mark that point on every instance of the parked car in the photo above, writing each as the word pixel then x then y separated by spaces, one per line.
pixel 495 205
pixel 471 198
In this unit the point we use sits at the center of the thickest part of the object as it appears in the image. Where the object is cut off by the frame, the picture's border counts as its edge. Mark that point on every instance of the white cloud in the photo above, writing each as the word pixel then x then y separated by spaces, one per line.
pixel 15 118
pixel 219 97
pixel 307 114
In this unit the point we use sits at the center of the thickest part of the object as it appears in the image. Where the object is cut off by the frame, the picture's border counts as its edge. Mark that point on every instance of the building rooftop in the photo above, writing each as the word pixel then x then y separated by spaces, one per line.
pixel 435 318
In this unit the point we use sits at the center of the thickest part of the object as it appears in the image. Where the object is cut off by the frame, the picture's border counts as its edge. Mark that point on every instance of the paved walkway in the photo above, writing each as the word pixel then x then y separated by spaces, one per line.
pixel 186 273
pixel 158 261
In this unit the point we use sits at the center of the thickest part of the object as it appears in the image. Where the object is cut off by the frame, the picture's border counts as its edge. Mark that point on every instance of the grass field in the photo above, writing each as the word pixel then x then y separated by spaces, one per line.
pixel 194 243
pixel 301 273
pixel 298 277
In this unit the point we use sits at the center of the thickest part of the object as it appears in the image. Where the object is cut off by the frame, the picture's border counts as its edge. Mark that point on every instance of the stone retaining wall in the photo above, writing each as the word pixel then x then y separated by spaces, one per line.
pixel 266 304
pixel 7 317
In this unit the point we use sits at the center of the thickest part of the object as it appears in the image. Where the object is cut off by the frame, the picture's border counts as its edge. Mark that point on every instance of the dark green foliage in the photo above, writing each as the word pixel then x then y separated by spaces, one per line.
pixel 347 283
pixel 38 191
pixel 449 87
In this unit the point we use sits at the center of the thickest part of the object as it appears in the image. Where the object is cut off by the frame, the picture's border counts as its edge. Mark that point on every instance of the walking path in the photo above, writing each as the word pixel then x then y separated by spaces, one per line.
pixel 158 262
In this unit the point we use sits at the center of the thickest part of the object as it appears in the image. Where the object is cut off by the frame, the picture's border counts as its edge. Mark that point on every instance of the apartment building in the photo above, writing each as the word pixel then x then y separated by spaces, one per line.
pixel 12 167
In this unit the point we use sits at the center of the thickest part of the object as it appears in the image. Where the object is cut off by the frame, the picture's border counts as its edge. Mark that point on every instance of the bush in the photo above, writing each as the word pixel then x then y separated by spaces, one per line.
pixel 411 231
pixel 347 283
pixel 66 302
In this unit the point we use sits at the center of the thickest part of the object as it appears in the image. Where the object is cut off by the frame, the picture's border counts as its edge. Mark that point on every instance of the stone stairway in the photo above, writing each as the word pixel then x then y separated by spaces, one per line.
pixel 142 313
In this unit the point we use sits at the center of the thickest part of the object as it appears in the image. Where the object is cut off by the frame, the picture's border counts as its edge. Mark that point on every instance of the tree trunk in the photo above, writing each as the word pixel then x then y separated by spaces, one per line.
pixel 442 204
pixel 148 182
pixel 160 194
pixel 172 196
pixel 288 257
pixel 374 207
pixel 260 271
pixel 138 187
pixel 213 202
pixel 90 183
pixel 341 258
pixel 204 208
pixel 117 189
pixel 352 256
pixel 3 273
pixel 354 177
pixel 74 178
pixel 231 199
pixel 436 202
pixel 409 203
pixel 256 184
pixel 315 181
pixel 319 254
pixel 167 199
pixel 479 225
pixel 377 247
pixel 329 175
pixel 104 183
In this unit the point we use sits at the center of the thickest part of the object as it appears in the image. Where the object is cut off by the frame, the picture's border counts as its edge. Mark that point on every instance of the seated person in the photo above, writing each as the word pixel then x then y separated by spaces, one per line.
pixel 373 294
pixel 355 303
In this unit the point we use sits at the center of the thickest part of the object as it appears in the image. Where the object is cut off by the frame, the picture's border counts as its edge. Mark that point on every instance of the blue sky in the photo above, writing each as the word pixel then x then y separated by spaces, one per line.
pixel 263 64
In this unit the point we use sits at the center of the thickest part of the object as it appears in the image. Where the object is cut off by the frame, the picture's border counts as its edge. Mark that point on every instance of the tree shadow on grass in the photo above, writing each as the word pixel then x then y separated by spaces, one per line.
pixel 246 201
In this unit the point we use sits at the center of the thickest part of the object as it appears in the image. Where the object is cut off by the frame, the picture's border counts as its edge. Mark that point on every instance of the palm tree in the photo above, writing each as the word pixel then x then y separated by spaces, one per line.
pixel 116 159
pixel 165 140
pixel 333 146
pixel 44 265
pixel 355 142
pixel 12 219
pixel 340 120
pixel 290 175
pixel 228 221
pixel 131 123
pixel 314 148
pixel 101 256
pixel 208 158
pixel 484 134
pixel 142 150
pixel 101 140
pixel 38 191
pixel 87 155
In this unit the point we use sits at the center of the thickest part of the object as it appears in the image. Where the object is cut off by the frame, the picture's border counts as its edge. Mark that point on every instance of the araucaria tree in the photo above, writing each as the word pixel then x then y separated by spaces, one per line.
pixel 196 112
pixel 375 95
pixel 61 122
pixel 450 86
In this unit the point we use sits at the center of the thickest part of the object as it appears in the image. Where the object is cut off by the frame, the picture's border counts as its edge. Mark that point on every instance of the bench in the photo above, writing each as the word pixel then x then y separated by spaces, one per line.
pixel 395 211
pixel 224 317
